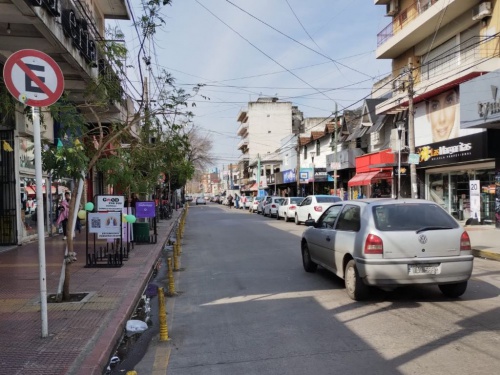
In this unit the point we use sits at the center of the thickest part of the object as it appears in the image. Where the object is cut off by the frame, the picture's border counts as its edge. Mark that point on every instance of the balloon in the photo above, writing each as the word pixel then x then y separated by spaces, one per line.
pixel 82 214
pixel 89 206
pixel 131 218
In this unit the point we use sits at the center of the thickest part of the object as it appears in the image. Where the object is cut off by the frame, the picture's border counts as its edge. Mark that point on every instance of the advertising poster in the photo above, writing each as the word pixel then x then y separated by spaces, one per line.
pixel 110 202
pixel 105 224
pixel 437 118
pixel 145 209
pixel 475 199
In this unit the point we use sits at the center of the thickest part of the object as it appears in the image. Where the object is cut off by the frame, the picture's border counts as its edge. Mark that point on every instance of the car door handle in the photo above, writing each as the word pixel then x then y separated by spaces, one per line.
pixel 328 238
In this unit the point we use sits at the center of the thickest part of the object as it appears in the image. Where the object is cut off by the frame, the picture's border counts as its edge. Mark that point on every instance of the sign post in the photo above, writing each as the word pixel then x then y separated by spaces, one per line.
pixel 36 80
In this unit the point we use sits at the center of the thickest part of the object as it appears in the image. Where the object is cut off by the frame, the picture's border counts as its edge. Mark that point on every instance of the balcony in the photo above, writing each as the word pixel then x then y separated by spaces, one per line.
pixel 243 129
pixel 243 144
pixel 417 22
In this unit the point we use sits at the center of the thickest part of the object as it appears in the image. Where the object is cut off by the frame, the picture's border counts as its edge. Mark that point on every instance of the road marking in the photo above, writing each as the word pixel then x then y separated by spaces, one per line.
pixel 162 356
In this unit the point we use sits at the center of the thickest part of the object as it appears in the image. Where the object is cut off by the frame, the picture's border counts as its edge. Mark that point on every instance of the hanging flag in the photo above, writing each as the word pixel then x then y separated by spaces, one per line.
pixel 6 146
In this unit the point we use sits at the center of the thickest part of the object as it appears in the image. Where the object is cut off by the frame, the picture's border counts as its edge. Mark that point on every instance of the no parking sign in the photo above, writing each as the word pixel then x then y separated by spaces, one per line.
pixel 33 78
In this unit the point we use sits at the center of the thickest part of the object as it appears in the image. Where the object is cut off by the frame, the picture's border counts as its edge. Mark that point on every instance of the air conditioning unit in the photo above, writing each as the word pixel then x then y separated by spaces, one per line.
pixel 392 7
pixel 481 10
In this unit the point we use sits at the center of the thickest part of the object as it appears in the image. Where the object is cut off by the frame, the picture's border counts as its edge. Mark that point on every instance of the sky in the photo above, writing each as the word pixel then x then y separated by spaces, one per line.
pixel 315 54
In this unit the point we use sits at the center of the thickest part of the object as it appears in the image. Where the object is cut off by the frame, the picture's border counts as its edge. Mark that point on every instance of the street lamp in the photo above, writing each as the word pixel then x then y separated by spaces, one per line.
pixel 400 131
pixel 312 153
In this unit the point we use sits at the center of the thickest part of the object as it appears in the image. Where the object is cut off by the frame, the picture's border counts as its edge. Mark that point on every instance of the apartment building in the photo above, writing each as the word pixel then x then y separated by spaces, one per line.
pixel 445 62
pixel 69 32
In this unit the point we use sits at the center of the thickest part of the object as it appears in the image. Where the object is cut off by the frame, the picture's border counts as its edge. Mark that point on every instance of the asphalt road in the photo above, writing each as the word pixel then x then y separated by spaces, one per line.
pixel 247 307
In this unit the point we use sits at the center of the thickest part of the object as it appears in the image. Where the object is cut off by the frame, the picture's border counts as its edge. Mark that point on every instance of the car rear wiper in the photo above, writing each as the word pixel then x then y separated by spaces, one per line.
pixel 432 228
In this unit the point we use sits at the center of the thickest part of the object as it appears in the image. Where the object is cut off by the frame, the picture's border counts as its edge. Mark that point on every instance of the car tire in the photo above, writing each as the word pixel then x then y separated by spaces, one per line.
pixel 354 286
pixel 297 222
pixel 277 215
pixel 309 265
pixel 453 290
pixel 309 217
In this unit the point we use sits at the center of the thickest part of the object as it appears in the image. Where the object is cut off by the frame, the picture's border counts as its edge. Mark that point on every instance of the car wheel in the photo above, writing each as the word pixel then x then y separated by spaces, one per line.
pixel 354 286
pixel 309 217
pixel 277 215
pixel 309 265
pixel 297 222
pixel 453 290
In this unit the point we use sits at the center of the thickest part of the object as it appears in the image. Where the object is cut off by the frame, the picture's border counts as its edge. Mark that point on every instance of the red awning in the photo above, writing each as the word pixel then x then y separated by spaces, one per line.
pixel 31 190
pixel 368 178
pixel 362 179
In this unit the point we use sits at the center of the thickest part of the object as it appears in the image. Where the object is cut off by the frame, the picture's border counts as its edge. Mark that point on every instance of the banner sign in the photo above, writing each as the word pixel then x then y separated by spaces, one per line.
pixel 110 202
pixel 145 209
pixel 105 224
pixel 475 199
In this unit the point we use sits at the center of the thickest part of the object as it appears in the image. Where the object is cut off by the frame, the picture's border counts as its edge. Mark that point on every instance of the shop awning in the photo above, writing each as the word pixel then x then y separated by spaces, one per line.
pixel 368 178
pixel 31 190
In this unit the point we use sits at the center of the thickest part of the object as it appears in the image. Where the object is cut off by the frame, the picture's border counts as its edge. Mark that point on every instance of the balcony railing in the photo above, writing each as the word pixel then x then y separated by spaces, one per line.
pixel 468 53
pixel 402 19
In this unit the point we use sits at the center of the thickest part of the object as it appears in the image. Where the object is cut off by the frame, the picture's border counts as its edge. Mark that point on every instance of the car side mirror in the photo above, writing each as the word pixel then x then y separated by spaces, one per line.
pixel 310 223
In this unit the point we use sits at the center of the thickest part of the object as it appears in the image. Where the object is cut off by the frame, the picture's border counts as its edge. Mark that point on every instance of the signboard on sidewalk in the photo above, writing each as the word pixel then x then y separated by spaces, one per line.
pixel 145 209
pixel 105 224
pixel 110 202
pixel 475 199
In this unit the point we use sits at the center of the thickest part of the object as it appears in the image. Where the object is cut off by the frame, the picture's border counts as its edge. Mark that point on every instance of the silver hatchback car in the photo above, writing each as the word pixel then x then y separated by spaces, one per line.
pixel 389 243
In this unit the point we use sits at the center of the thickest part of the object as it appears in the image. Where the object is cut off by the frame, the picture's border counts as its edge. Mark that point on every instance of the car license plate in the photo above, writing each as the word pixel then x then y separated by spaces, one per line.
pixel 424 269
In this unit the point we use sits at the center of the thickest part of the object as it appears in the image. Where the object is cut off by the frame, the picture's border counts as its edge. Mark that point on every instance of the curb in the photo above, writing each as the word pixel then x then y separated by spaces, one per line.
pixel 486 254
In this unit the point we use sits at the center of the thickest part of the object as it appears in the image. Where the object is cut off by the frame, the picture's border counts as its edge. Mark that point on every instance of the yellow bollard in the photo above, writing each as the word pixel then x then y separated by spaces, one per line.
pixel 176 259
pixel 162 313
pixel 131 373
pixel 171 282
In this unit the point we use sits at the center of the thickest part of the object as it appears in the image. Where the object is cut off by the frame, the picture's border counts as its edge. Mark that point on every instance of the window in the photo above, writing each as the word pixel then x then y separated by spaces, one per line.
pixel 318 147
pixel 328 219
pixel 349 219
pixel 305 152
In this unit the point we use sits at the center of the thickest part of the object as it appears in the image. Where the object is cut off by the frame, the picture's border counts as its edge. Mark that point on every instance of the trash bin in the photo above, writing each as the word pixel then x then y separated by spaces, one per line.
pixel 141 232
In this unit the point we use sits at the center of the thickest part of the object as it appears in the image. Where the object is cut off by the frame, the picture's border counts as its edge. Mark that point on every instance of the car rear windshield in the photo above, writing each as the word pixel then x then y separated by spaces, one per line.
pixel 296 200
pixel 327 199
pixel 412 217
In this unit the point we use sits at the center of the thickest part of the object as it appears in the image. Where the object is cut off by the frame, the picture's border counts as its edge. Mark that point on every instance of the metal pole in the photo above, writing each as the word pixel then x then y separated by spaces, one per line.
pixel 411 131
pixel 399 161
pixel 335 155
pixel 39 215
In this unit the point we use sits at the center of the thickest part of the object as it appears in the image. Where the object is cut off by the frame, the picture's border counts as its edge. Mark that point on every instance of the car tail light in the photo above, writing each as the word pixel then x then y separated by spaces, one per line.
pixel 292 207
pixel 465 242
pixel 318 208
pixel 374 245
pixel 273 206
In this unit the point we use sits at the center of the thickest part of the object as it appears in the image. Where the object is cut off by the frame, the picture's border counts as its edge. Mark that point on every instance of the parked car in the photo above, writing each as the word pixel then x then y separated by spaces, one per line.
pixel 388 243
pixel 271 206
pixel 255 203
pixel 262 203
pixel 189 198
pixel 287 208
pixel 248 203
pixel 313 206
pixel 201 200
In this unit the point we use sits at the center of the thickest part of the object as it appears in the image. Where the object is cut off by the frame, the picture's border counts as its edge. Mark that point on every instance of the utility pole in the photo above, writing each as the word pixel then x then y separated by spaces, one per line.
pixel 258 174
pixel 231 176
pixel 411 130
pixel 297 172
pixel 335 155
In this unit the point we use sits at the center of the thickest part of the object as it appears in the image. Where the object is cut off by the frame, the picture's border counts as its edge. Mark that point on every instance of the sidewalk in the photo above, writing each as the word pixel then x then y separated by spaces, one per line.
pixel 82 335
pixel 485 240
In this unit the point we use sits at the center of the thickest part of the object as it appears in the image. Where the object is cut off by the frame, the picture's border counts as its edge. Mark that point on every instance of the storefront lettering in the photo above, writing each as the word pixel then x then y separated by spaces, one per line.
pixel 73 27
pixel 427 152
pixel 461 147
pixel 489 108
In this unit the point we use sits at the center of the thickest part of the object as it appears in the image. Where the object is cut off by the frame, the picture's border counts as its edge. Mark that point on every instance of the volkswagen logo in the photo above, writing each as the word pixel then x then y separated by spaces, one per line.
pixel 422 239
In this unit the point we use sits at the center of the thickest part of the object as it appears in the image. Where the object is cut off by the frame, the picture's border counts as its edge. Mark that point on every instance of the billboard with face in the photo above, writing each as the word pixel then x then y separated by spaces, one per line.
pixel 437 118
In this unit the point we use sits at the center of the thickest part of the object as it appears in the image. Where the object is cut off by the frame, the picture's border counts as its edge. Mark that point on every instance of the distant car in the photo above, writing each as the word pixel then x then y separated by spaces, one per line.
pixel 287 208
pixel 189 198
pixel 271 207
pixel 200 200
pixel 389 243
pixel 313 206
pixel 262 203
pixel 248 202
pixel 255 204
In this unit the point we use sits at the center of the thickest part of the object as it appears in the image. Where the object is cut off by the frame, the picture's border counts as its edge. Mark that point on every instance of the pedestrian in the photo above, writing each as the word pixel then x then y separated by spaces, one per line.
pixel 237 201
pixel 230 201
pixel 62 219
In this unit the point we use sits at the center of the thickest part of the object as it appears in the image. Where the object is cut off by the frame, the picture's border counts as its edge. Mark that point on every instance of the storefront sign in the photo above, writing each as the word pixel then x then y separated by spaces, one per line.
pixel 306 175
pixel 145 209
pixel 289 176
pixel 475 199
pixel 110 202
pixel 73 27
pixel 105 224
pixel 320 175
pixel 458 150
pixel 481 101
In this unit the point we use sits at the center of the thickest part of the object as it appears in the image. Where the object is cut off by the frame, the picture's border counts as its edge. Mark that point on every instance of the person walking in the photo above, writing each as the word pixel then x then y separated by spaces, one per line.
pixel 237 201
pixel 230 201
pixel 62 219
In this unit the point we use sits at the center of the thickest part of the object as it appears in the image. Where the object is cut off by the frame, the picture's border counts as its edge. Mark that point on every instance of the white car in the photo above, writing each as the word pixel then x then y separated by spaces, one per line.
pixel 271 206
pixel 313 206
pixel 287 208
pixel 255 204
